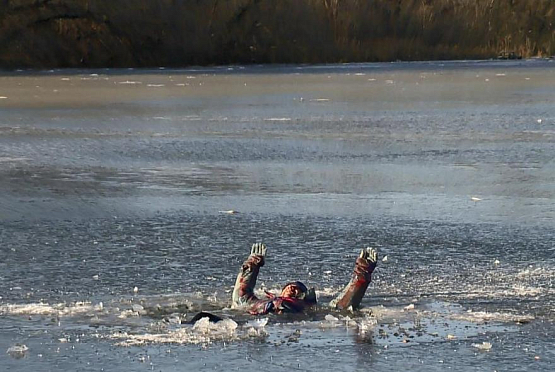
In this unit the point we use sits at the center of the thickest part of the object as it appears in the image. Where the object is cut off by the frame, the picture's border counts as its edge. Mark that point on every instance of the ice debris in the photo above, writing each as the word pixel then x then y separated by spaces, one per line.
pixel 484 346
pixel 202 332
pixel 257 323
pixel 17 351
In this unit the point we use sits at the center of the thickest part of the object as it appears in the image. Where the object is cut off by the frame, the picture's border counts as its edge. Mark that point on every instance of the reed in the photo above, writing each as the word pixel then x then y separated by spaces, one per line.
pixel 137 33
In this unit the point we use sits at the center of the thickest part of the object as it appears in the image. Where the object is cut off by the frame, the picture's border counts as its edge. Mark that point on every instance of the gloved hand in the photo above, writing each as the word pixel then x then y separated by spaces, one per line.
pixel 371 256
pixel 258 249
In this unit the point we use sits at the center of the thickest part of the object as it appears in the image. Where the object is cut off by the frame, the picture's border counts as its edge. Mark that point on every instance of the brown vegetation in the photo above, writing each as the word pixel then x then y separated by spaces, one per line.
pixel 107 33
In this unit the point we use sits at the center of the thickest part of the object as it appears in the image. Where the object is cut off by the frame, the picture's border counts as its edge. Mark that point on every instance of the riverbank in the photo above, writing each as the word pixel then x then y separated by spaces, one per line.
pixel 84 34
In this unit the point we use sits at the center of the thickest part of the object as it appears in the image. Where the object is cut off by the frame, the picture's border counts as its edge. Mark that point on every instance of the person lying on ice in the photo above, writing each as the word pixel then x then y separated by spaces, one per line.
pixel 295 297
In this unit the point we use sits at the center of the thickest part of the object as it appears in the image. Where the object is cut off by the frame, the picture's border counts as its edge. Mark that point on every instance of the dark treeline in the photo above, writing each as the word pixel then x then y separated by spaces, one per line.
pixel 119 33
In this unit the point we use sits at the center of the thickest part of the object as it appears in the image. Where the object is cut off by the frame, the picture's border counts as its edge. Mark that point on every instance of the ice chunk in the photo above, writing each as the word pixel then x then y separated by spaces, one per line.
pixel 204 325
pixel 257 323
pixel 485 346
pixel 17 351
pixel 277 119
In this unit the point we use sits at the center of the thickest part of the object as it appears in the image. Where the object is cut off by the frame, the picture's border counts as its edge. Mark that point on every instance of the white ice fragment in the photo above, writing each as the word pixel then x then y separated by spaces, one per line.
pixel 384 259
pixel 451 337
pixel 155 85
pixel 475 199
pixel 205 326
pixel 3 97
pixel 485 346
pixel 65 79
pixel 231 211
pixel 500 75
pixel 257 323
pixel 320 100
pixel 327 272
pixel 409 307
pixel 331 318
pixel 496 262
pixel 127 314
pixel 487 79
pixel 277 119
pixel 95 277
pixel 17 351
pixel 539 121
pixel 135 289
pixel 174 320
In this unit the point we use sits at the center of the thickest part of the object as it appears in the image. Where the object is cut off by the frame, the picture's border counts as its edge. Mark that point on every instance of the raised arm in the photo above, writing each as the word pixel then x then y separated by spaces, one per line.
pixel 352 294
pixel 243 292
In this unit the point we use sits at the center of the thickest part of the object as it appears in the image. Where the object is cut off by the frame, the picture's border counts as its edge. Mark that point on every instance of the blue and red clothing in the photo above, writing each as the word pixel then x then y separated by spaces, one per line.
pixel 243 293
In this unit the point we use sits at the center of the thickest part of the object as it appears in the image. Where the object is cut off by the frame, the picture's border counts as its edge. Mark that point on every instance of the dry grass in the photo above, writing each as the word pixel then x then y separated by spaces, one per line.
pixel 105 33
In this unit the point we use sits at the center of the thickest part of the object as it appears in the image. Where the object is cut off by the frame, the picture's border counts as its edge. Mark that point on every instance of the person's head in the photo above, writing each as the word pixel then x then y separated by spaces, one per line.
pixel 294 290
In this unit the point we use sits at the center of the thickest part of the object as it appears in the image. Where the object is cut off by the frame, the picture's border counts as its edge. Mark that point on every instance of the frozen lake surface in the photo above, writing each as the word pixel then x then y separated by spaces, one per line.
pixel 114 188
